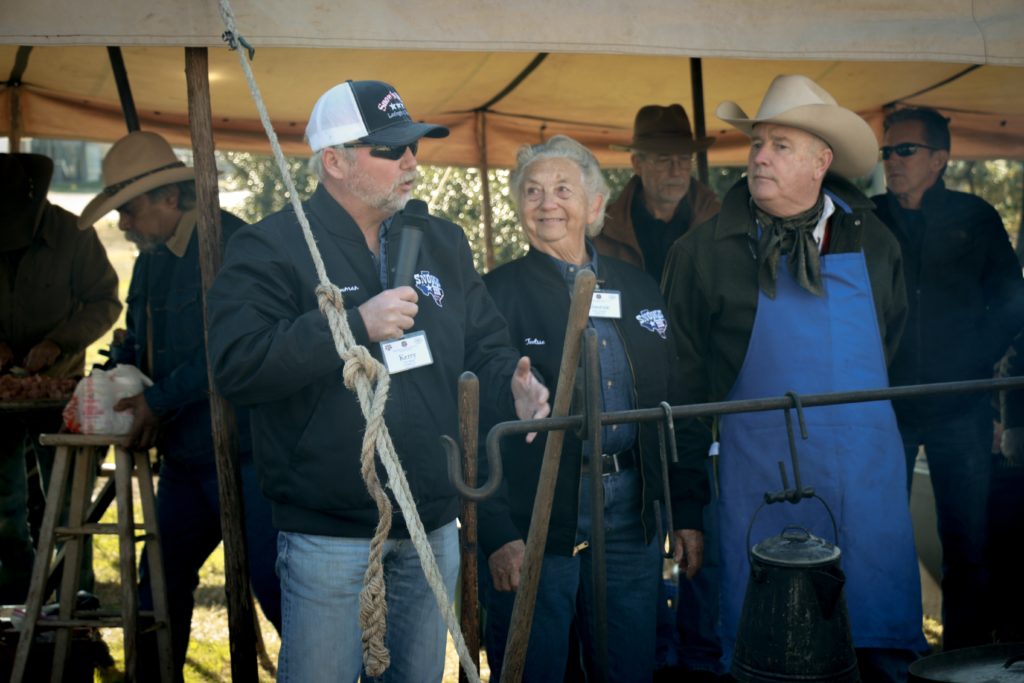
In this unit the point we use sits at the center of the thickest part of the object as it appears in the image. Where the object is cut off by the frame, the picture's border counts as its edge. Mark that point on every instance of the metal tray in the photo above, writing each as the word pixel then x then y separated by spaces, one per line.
pixel 37 405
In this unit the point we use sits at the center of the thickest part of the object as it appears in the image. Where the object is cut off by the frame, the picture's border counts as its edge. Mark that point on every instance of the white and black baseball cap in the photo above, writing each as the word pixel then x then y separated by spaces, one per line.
pixel 369 112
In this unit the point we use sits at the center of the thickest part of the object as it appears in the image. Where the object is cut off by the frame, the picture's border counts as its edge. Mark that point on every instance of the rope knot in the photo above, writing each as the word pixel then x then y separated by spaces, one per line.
pixel 359 364
pixel 233 40
pixel 329 295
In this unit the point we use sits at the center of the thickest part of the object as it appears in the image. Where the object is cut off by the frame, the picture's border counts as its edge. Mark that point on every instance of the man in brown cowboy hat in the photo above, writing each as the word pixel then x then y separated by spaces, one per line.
pixel 154 195
pixel 661 201
pixel 797 286
pixel 58 294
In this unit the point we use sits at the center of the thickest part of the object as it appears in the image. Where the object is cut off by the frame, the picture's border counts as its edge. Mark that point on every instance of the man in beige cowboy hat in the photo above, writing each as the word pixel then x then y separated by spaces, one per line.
pixel 797 286
pixel 154 195
pixel 661 201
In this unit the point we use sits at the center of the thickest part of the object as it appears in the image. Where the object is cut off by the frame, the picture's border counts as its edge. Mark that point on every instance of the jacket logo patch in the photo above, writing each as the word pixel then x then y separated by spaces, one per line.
pixel 430 286
pixel 533 341
pixel 349 288
pixel 653 321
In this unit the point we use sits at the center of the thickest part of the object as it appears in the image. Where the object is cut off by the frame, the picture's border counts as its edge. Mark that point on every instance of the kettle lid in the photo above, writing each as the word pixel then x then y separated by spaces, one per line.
pixel 796 547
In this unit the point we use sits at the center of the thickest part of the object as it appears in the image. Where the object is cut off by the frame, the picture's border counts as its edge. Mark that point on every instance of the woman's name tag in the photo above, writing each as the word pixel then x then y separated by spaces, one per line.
pixel 406 353
pixel 606 303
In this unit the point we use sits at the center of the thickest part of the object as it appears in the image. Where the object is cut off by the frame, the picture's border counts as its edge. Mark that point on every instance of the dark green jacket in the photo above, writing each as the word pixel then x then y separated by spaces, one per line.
pixel 711 286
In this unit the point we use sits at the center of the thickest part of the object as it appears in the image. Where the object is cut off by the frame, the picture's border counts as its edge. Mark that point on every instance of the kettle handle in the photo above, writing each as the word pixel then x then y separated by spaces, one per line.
pixel 750 528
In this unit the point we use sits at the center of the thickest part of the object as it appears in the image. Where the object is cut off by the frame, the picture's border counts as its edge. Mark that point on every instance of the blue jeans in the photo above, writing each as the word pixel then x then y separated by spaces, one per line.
pixel 960 463
pixel 566 591
pixel 700 646
pixel 19 440
pixel 321 577
pixel 188 516
pixel 17 551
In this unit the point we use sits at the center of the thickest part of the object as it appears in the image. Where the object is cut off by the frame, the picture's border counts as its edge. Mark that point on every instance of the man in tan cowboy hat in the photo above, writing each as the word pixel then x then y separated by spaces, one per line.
pixel 797 286
pixel 154 195
pixel 661 201
pixel 58 294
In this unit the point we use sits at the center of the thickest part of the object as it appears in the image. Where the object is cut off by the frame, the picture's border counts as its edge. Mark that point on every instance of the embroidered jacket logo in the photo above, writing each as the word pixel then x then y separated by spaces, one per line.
pixel 653 321
pixel 430 286
pixel 533 341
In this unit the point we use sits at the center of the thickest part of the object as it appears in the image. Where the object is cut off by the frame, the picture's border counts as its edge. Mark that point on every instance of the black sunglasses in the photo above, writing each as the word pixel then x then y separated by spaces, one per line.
pixel 904 149
pixel 386 151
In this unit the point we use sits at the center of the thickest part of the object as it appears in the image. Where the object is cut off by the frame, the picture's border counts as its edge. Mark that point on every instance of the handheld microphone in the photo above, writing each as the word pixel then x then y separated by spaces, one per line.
pixel 415 221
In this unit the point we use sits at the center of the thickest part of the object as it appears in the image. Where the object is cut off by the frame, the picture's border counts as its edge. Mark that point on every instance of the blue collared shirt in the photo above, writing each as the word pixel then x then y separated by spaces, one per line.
pixel 382 261
pixel 616 375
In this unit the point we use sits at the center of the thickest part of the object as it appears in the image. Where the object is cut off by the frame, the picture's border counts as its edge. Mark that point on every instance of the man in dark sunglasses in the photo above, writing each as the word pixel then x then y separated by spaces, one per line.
pixel 273 351
pixel 965 294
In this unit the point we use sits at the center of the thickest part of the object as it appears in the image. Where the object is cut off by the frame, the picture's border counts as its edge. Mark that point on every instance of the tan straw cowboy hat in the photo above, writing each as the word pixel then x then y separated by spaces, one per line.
pixel 799 102
pixel 663 130
pixel 137 163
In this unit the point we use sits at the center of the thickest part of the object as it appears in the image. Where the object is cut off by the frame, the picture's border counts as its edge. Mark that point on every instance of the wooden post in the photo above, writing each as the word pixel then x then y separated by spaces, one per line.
pixel 14 87
pixel 536 539
pixel 469 418
pixel 232 510
pixel 485 186
pixel 14 138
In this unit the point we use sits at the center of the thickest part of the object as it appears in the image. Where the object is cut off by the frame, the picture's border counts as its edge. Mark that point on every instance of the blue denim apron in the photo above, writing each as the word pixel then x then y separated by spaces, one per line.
pixel 853 458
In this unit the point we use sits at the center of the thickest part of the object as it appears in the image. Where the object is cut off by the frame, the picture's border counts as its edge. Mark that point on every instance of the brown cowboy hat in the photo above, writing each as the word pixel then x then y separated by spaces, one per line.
pixel 137 163
pixel 26 178
pixel 665 130
pixel 799 102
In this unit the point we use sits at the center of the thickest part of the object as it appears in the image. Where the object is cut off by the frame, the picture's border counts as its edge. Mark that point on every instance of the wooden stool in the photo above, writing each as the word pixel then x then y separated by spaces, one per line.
pixel 82 451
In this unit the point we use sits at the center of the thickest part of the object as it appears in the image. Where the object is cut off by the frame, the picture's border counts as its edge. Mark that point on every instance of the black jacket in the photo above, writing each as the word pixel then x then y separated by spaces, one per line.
pixel 532 295
pixel 171 289
pixel 272 350
pixel 965 293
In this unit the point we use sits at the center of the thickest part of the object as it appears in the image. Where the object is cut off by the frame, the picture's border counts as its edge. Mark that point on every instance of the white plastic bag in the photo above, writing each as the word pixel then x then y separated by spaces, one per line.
pixel 91 408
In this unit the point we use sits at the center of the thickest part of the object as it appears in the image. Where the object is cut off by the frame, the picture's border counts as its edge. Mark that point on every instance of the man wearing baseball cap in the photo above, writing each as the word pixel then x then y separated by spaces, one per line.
pixel 154 195
pixel 273 351
pixel 797 286
pixel 661 201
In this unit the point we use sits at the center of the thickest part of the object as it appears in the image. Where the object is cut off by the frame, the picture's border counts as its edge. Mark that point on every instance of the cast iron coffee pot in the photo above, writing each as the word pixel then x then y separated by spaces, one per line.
pixel 794 625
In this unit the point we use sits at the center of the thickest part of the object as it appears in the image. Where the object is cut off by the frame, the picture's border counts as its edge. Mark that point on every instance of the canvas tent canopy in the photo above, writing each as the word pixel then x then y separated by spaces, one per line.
pixel 501 74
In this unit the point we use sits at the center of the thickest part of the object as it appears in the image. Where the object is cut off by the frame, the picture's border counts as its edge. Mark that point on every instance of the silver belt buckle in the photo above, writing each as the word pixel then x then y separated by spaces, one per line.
pixel 615 464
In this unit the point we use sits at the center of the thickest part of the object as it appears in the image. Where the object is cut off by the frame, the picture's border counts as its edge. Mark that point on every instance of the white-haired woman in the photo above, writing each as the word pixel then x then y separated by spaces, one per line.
pixel 560 194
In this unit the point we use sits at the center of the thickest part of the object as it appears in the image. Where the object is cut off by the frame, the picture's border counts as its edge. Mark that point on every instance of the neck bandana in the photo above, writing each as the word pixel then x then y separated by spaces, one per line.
pixel 794 237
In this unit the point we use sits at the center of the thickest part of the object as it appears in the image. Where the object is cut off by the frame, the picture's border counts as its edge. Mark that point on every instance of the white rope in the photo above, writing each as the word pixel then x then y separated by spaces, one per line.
pixel 347 349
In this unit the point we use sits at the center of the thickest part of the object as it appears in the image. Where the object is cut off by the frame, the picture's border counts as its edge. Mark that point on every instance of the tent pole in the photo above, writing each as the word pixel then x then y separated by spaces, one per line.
pixel 485 185
pixel 697 87
pixel 236 568
pixel 124 90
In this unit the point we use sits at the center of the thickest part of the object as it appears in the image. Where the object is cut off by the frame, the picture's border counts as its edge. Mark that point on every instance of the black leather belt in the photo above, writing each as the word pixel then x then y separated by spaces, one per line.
pixel 611 463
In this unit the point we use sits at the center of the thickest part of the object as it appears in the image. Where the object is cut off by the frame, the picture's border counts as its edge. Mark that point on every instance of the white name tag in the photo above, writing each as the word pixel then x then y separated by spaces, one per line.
pixel 606 303
pixel 406 353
